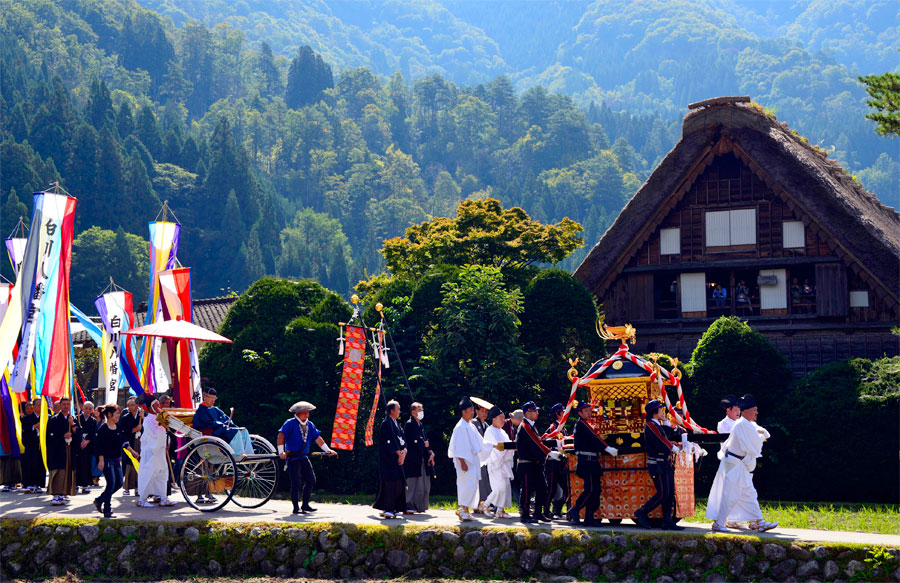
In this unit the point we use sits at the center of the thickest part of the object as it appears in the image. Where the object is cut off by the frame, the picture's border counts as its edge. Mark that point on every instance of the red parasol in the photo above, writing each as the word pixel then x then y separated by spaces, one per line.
pixel 177 329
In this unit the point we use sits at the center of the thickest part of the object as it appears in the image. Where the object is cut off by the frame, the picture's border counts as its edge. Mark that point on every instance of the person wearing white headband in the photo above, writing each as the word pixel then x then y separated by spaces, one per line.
pixel 294 439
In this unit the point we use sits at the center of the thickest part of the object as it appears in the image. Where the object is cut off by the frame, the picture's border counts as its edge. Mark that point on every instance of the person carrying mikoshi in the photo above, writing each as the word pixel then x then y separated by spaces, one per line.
pixel 732 498
pixel 531 453
pixel 659 447
pixel 588 449
pixel 294 438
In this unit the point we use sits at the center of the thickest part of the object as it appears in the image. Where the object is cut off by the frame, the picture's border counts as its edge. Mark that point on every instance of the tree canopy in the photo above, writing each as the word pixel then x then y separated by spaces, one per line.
pixel 483 233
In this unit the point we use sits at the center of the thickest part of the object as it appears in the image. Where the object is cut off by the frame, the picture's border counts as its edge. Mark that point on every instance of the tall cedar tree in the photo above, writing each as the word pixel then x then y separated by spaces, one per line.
pixel 308 77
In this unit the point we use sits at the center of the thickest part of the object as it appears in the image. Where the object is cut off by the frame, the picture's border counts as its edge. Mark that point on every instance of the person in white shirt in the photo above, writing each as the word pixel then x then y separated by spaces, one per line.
pixel 731 404
pixel 732 498
pixel 499 465
pixel 467 449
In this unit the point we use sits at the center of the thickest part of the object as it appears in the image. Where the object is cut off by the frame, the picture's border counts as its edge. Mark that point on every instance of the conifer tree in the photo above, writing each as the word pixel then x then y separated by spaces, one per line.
pixel 99 110
pixel 147 131
pixel 308 77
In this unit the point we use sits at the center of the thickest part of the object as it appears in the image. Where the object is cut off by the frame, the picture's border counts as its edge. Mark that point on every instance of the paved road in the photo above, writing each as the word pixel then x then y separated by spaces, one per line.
pixel 18 505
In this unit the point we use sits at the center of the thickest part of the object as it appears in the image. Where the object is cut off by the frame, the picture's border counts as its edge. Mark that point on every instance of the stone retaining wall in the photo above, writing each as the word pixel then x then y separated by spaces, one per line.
pixel 130 551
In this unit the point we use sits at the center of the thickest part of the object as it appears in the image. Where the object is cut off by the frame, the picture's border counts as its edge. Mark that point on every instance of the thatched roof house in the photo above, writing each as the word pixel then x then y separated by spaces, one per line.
pixel 744 207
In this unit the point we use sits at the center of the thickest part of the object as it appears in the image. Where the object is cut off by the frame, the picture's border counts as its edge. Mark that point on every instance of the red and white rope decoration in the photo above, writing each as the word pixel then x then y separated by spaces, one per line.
pixel 623 353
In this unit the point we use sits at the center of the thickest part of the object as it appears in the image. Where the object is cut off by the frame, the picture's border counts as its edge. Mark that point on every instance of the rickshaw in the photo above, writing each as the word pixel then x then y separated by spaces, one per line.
pixel 210 467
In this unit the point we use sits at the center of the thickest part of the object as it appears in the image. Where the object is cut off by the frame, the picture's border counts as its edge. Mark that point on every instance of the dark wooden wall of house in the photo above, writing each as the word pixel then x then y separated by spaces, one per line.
pixel 805 351
pixel 727 184
pixel 711 193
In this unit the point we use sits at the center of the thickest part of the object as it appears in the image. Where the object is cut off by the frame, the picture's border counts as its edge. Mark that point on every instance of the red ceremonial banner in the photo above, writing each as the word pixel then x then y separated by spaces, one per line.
pixel 351 384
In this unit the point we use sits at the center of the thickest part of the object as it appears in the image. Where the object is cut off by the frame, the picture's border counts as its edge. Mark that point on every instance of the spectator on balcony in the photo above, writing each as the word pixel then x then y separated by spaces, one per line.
pixel 742 295
pixel 719 295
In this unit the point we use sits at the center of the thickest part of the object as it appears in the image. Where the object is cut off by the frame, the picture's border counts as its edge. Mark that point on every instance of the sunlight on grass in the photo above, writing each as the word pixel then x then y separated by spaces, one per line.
pixel 874 518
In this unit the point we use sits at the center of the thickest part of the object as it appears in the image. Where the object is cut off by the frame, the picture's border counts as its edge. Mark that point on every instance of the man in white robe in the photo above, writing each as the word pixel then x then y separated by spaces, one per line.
pixel 732 407
pixel 733 498
pixel 467 449
pixel 153 473
pixel 499 465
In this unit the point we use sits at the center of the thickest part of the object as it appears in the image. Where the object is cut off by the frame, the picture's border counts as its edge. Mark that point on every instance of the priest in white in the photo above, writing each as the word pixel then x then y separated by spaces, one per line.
pixel 733 498
pixel 499 465
pixel 153 473
pixel 467 450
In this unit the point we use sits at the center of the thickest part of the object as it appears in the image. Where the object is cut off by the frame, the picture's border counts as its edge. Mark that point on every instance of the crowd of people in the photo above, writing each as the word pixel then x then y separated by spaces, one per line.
pixel 494 456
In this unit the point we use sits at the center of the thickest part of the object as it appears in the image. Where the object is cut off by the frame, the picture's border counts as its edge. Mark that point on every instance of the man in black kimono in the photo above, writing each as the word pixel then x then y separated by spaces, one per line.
pixel 660 442
pixel 588 448
pixel 62 432
pixel 84 477
pixel 33 473
pixel 131 423
pixel 480 423
pixel 419 461
pixel 530 467
pixel 556 470
pixel 391 498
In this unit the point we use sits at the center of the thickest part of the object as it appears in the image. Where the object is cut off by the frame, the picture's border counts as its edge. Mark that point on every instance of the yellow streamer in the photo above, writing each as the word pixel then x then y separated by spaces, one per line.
pixel 43 430
pixel 133 460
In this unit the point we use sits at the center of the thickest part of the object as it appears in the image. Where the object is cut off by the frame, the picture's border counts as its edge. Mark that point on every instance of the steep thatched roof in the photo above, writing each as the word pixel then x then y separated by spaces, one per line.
pixel 863 231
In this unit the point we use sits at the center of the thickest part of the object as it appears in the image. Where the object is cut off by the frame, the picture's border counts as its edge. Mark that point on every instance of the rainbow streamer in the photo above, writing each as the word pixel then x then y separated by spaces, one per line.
pixel 163 250
pixel 175 288
pixel 117 315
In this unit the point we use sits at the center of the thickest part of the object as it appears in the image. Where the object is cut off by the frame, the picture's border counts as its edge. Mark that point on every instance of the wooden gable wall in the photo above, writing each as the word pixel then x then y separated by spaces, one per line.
pixel 727 183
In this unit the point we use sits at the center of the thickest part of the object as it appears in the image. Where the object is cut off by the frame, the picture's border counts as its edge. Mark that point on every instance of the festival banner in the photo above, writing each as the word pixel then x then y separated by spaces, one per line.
pixel 344 431
pixel 115 309
pixel 59 380
pixel 163 250
pixel 10 428
pixel 175 291
pixel 380 352
pixel 15 248
pixel 36 287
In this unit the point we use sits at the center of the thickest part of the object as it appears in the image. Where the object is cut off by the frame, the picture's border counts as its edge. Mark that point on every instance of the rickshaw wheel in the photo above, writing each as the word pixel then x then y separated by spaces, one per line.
pixel 256 479
pixel 208 470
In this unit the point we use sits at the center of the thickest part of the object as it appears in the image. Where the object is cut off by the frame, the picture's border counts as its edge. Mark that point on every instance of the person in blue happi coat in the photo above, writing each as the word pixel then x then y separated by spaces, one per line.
pixel 210 419
pixel 294 439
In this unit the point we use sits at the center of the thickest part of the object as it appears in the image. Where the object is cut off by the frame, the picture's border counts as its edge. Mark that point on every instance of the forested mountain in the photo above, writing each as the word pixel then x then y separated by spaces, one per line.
pixel 800 58
pixel 301 161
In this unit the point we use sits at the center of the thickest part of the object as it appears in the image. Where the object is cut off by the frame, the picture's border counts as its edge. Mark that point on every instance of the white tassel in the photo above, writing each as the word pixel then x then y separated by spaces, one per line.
pixel 341 346
pixel 384 357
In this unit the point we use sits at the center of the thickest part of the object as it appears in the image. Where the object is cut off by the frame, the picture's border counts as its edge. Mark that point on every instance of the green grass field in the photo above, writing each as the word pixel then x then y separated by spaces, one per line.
pixel 874 518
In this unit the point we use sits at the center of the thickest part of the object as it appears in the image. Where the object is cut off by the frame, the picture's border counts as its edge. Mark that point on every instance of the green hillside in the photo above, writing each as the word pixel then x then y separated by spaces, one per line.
pixel 300 162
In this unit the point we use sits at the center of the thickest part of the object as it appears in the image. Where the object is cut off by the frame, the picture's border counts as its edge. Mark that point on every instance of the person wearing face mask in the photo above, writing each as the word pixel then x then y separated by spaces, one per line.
pixel 294 439
pixel 419 461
